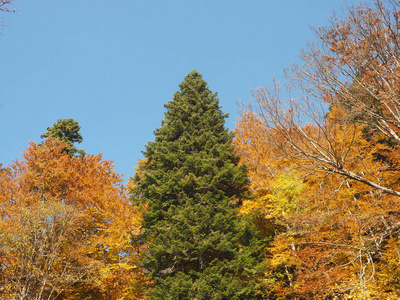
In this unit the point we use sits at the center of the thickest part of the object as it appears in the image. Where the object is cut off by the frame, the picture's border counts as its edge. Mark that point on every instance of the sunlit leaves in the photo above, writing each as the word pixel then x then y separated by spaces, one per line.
pixel 340 237
pixel 67 228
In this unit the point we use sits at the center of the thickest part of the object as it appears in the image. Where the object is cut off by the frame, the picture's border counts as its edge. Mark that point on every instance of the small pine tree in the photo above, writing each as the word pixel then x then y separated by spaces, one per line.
pixel 66 130
pixel 192 181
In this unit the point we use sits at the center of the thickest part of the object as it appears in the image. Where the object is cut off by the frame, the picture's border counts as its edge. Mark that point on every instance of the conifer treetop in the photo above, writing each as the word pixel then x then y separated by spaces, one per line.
pixel 66 130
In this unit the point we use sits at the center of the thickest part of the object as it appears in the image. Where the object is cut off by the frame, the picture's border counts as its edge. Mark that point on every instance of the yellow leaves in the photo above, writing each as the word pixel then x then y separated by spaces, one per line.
pixel 77 211
pixel 284 198
pixel 282 250
pixel 36 241
pixel 327 225
pixel 340 223
pixel 280 201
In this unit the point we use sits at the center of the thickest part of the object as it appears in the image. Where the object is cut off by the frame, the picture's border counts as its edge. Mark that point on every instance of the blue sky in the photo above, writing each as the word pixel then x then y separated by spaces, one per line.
pixel 112 65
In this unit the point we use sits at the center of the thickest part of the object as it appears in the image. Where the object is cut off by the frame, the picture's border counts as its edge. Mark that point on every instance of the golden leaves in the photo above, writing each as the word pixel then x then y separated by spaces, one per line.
pixel 326 226
pixel 67 222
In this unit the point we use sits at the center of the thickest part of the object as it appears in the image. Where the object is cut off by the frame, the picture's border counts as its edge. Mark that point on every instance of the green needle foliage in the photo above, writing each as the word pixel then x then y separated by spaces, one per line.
pixel 192 181
pixel 66 130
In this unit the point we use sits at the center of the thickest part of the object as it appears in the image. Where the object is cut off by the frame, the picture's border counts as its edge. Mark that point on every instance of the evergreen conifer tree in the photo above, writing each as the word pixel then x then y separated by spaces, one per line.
pixel 192 181
pixel 66 130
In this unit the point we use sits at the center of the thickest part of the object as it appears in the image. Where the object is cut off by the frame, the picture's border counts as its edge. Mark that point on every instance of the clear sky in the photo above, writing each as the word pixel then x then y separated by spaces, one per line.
pixel 111 65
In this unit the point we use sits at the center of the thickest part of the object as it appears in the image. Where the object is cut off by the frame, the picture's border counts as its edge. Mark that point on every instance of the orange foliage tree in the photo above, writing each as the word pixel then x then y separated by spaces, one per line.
pixel 325 165
pixel 66 228
pixel 331 234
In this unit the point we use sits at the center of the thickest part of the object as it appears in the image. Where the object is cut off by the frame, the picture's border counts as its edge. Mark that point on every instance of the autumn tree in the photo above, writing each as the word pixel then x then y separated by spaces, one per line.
pixel 66 130
pixel 34 238
pixel 192 182
pixel 66 228
pixel 336 131
pixel 331 235
pixel 354 70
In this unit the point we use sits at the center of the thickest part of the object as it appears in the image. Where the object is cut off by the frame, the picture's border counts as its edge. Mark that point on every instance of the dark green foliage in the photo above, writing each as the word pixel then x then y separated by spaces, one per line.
pixel 200 248
pixel 66 130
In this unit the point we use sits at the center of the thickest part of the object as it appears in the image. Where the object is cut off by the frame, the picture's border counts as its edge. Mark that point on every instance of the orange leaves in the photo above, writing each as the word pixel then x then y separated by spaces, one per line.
pixel 332 229
pixel 68 223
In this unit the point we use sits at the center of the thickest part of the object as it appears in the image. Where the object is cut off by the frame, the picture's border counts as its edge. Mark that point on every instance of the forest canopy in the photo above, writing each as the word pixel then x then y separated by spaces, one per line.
pixel 300 201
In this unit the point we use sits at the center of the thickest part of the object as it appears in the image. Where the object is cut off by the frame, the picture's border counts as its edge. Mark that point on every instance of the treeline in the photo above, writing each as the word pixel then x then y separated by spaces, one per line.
pixel 301 201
